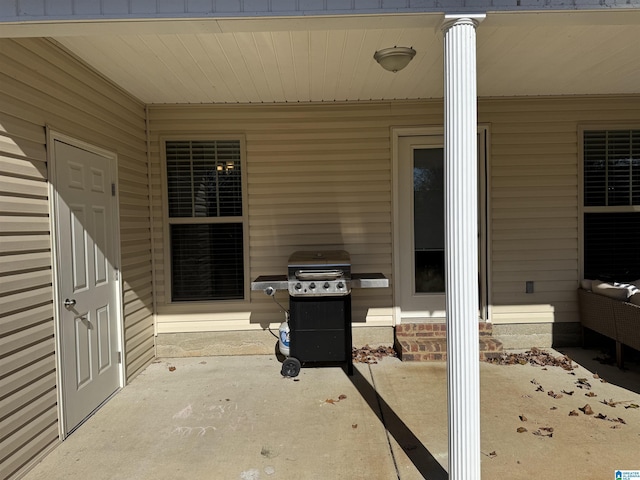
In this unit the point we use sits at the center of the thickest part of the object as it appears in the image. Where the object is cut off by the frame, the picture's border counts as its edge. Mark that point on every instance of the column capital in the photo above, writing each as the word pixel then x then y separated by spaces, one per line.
pixel 452 19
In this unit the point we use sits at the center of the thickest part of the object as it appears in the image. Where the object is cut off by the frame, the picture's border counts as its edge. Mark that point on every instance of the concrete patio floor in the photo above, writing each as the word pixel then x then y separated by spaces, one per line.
pixel 237 418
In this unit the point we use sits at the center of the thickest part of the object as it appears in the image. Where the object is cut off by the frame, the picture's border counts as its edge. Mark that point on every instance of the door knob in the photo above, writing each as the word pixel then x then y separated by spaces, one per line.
pixel 69 303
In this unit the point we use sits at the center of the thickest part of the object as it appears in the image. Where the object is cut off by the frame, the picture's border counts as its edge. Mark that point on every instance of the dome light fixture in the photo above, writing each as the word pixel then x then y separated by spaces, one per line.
pixel 394 58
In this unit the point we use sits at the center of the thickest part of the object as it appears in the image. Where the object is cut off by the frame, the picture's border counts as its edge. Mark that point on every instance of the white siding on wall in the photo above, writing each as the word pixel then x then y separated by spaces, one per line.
pixel 534 201
pixel 319 176
pixel 39 86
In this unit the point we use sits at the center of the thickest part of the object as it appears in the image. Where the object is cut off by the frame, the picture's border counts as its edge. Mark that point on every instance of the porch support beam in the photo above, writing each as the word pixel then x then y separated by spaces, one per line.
pixel 461 245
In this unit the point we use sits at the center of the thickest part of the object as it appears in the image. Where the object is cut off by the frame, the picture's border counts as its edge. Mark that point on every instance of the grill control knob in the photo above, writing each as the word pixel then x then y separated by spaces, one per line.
pixel 312 286
pixel 326 285
pixel 340 285
pixel 298 286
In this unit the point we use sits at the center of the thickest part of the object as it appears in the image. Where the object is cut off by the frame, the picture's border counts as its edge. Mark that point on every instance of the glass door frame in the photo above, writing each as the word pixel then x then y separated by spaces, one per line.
pixel 483 221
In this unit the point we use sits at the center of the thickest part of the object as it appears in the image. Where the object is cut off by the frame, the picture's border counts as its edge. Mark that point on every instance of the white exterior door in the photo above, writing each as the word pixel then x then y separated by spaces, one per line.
pixel 88 302
pixel 419 286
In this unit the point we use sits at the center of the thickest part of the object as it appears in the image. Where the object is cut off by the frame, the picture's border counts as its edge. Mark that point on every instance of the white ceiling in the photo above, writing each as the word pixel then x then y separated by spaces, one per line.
pixel 329 59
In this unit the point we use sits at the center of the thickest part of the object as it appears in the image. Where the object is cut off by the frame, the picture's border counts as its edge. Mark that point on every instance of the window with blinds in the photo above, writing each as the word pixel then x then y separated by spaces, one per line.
pixel 205 214
pixel 612 204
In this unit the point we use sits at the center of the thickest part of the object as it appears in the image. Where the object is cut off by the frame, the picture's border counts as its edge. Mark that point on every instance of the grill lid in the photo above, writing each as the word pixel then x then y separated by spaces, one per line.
pixel 320 258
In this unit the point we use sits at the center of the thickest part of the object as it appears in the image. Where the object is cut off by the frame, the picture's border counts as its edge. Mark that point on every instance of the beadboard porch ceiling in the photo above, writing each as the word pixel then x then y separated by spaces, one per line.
pixel 326 59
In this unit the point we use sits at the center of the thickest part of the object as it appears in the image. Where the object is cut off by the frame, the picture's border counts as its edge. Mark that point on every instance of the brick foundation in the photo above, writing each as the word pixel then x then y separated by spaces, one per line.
pixel 427 342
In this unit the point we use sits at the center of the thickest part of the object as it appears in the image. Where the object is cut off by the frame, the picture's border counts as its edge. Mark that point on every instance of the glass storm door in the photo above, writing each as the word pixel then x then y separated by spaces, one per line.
pixel 420 287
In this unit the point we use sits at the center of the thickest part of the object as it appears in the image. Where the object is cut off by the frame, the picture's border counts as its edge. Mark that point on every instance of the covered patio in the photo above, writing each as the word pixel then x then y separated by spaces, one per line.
pixel 236 418
pixel 316 125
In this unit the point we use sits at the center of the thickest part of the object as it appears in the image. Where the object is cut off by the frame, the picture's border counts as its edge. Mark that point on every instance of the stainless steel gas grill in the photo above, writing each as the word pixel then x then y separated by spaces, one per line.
pixel 319 284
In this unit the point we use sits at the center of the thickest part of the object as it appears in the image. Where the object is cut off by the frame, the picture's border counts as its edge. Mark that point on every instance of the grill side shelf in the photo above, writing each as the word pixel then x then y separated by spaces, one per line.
pixel 369 280
pixel 277 282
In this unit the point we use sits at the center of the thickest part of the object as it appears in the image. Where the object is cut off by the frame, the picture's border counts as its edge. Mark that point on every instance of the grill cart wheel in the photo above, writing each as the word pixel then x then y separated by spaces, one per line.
pixel 290 367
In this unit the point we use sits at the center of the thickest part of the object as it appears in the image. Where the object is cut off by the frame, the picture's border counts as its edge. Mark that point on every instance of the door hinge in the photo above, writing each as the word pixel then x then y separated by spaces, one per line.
pixel 113 189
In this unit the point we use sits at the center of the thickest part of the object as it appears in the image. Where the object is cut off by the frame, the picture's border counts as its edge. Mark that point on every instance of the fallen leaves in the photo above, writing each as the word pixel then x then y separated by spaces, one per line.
pixel 535 357
pixel 573 413
pixel 372 355
pixel 583 383
pixel 587 410
pixel 552 394
pixel 521 430
pixel 544 432
pixel 172 368
pixel 331 401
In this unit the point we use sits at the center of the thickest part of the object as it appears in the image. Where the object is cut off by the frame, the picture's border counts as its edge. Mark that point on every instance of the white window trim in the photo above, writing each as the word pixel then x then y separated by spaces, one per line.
pixel 244 218
pixel 586 127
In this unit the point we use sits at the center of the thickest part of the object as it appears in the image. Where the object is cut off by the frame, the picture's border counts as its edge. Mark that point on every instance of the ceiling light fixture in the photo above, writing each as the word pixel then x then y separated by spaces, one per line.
pixel 394 58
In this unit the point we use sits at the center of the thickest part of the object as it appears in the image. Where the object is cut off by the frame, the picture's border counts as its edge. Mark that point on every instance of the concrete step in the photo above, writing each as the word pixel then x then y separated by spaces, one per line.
pixel 435 349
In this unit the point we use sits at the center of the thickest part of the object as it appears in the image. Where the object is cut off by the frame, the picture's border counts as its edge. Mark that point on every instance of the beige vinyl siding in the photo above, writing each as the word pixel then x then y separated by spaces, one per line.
pixel 319 176
pixel 534 211
pixel 40 85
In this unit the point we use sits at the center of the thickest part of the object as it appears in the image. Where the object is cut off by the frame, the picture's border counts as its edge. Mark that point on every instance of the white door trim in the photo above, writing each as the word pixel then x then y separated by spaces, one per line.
pixel 396 134
pixel 52 136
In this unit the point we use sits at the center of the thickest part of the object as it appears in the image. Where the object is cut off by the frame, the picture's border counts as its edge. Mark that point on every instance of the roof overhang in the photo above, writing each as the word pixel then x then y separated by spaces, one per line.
pixel 330 58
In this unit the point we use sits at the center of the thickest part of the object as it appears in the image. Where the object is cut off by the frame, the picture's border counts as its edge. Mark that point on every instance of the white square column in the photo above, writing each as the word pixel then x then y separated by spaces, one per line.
pixel 461 245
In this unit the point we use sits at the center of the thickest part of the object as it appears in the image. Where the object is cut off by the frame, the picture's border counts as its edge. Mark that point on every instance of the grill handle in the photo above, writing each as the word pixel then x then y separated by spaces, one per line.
pixel 319 274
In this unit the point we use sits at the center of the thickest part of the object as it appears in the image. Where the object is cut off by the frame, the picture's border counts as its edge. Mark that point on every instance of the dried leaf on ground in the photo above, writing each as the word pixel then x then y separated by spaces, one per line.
pixel 333 402
pixel 567 393
pixel 522 418
pixel 544 432
pixel 553 408
pixel 172 368
pixel 633 405
pixel 590 394
pixel 602 380
pixel 371 355
pixel 611 403
pixel 587 410
pixel 539 389
pixel 491 454
pixel 573 413
pixel 583 383
pixel 354 425
pixel 615 420
pixel 536 357
pixel 521 430
pixel 551 393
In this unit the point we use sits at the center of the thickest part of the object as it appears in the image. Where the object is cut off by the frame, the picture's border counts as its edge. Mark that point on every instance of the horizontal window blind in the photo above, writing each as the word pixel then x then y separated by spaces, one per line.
pixel 612 167
pixel 612 246
pixel 207 262
pixel 204 178
pixel 204 182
